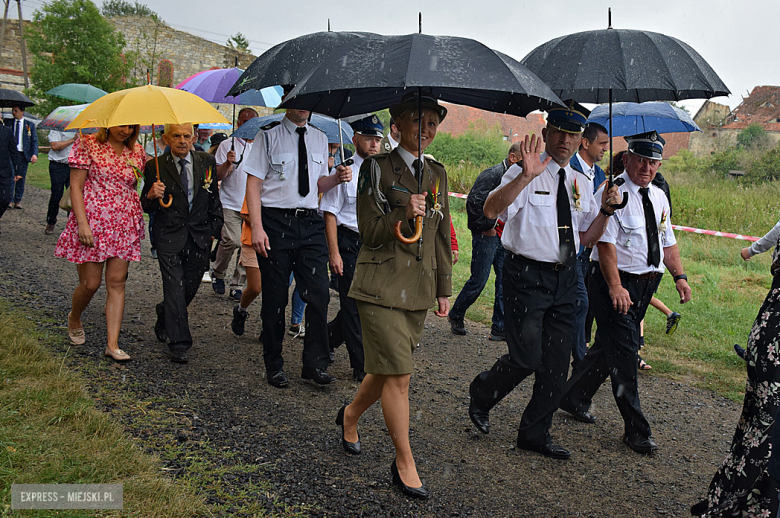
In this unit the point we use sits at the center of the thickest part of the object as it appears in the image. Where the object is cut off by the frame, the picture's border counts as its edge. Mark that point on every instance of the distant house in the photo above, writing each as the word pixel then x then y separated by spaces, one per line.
pixel 720 131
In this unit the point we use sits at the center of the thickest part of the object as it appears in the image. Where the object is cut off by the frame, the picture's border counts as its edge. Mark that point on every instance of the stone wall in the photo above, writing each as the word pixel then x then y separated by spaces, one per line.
pixel 147 43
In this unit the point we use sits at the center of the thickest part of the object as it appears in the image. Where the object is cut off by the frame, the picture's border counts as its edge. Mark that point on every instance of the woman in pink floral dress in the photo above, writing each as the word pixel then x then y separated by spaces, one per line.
pixel 105 226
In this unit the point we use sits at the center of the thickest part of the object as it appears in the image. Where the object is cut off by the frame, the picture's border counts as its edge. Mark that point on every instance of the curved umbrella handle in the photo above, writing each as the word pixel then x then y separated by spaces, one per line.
pixel 408 240
pixel 622 203
pixel 168 203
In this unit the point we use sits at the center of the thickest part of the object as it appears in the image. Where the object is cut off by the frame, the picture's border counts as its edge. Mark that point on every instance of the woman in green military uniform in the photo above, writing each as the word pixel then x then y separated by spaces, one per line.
pixel 396 284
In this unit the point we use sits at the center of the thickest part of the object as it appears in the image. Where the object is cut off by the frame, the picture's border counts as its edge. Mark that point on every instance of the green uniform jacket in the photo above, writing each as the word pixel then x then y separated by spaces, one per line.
pixel 388 272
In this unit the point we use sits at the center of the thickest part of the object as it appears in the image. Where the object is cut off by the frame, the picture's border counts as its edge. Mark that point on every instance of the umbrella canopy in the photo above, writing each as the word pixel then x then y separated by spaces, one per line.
pixel 634 118
pixel 379 71
pixel 289 61
pixel 61 117
pixel 327 125
pixel 636 66
pixel 11 98
pixel 77 92
pixel 147 104
pixel 213 86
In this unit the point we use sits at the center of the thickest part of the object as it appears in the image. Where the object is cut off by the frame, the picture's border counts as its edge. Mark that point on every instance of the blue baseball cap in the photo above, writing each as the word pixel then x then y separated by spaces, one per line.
pixel 649 145
pixel 370 126
pixel 570 119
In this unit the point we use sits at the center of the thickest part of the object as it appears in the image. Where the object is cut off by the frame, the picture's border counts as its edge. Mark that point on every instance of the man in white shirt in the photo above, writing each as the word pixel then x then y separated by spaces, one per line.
pixel 287 168
pixel 339 207
pixel 546 217
pixel 626 268
pixel 230 172
pixel 390 142
pixel 61 143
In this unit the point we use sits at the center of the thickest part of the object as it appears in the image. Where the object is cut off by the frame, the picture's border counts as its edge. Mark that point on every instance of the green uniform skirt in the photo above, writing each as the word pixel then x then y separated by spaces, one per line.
pixel 390 336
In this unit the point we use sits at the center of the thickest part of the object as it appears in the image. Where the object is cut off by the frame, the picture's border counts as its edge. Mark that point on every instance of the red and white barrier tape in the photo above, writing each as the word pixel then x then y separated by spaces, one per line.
pixel 675 227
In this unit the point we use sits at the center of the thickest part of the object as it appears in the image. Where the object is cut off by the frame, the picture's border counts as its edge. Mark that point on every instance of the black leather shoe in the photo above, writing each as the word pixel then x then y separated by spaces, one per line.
pixel 318 376
pixel 353 448
pixel 412 492
pixel 639 443
pixel 159 326
pixel 358 375
pixel 480 418
pixel 278 379
pixel 583 417
pixel 178 355
pixel 457 325
pixel 554 451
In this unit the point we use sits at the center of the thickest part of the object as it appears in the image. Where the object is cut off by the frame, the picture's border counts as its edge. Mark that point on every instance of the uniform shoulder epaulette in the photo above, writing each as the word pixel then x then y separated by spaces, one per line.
pixel 619 181
pixel 318 129
pixel 270 125
pixel 431 159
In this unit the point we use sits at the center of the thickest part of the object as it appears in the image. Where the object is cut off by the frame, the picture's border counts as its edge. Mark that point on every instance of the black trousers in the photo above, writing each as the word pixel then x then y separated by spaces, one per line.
pixel 182 273
pixel 614 351
pixel 59 173
pixel 539 306
pixel 6 192
pixel 345 328
pixel 298 245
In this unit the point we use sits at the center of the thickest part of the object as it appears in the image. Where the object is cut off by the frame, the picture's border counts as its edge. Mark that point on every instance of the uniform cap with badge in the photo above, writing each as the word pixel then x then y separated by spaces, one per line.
pixel 570 119
pixel 369 126
pixel 648 145
pixel 413 100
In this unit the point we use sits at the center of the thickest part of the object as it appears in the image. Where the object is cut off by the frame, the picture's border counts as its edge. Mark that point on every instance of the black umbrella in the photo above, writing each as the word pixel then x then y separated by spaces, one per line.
pixel 382 70
pixel 289 61
pixel 11 98
pixel 623 65
pixel 377 73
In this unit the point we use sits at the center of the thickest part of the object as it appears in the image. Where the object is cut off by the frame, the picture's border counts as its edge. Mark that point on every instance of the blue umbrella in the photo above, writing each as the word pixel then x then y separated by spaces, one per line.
pixel 635 118
pixel 325 124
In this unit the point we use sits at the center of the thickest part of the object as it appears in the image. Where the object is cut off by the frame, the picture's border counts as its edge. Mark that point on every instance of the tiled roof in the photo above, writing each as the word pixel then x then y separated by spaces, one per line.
pixel 459 117
pixel 762 106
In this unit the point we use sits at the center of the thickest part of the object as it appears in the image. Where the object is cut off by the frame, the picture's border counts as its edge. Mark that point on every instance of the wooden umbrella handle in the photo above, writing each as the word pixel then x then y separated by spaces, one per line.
pixel 164 204
pixel 408 240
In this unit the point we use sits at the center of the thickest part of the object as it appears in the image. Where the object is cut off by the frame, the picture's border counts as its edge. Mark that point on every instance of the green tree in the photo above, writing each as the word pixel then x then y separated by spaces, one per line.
pixel 72 43
pixel 123 8
pixel 239 42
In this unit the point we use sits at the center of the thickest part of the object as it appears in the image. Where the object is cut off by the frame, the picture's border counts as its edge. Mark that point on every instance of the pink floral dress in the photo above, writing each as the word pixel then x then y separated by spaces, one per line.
pixel 111 202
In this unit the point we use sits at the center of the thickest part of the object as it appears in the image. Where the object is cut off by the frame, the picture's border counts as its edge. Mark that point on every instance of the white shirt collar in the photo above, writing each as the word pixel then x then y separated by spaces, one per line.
pixel 407 157
pixel 393 143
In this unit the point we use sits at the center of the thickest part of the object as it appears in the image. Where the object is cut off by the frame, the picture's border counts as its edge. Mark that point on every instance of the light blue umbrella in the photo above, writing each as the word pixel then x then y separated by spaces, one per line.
pixel 635 118
pixel 323 123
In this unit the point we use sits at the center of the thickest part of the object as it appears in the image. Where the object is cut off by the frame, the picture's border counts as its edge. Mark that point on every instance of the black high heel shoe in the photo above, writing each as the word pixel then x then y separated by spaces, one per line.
pixel 352 448
pixel 412 492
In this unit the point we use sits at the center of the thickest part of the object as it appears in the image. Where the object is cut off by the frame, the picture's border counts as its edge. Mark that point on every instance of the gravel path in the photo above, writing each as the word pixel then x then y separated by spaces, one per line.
pixel 220 399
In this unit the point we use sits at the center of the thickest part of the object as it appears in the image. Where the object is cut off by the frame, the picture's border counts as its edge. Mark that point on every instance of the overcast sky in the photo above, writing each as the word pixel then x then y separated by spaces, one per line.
pixel 738 38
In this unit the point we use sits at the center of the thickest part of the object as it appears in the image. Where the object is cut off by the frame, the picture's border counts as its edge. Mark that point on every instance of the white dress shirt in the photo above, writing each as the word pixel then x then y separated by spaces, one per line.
pixel 341 201
pixel 19 126
pixel 588 170
pixel 531 220
pixel 274 159
pixel 233 188
pixel 59 136
pixel 626 229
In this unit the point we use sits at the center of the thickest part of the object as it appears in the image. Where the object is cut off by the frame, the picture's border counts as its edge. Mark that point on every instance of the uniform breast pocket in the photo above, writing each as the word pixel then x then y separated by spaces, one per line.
pixel 542 212
pixel 317 160
pixel 283 162
pixel 397 197
pixel 634 238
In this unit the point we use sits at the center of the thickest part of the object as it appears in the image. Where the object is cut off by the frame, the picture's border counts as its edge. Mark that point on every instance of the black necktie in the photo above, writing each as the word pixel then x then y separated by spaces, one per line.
pixel 416 168
pixel 185 183
pixel 303 163
pixel 651 228
pixel 16 132
pixel 566 252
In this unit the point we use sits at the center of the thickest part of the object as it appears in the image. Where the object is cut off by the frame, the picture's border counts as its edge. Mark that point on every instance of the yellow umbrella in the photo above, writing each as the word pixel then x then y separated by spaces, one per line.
pixel 147 105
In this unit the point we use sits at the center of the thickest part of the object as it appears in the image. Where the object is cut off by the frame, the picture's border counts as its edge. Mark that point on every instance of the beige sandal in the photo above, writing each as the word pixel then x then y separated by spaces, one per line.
pixel 76 335
pixel 118 355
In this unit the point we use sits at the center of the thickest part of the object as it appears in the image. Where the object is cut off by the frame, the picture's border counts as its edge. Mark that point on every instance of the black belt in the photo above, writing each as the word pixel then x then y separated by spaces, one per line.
pixel 541 264
pixel 650 276
pixel 297 213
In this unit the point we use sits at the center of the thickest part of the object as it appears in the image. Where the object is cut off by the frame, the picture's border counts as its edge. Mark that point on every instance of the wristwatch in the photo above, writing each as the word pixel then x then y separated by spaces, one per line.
pixel 607 214
pixel 681 276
